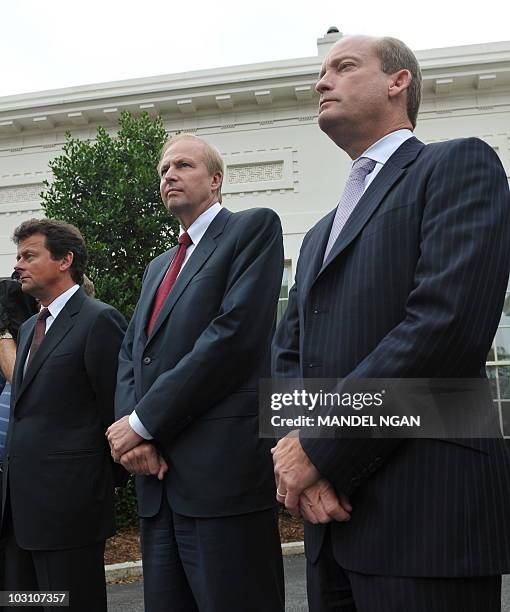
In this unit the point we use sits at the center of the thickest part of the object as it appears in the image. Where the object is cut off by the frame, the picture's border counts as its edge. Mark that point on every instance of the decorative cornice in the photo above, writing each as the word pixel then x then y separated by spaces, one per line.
pixel 448 72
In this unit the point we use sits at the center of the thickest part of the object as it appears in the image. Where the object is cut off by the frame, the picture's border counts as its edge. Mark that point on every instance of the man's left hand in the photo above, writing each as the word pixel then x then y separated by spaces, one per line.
pixel 122 438
pixel 320 504
pixel 144 460
pixel 294 472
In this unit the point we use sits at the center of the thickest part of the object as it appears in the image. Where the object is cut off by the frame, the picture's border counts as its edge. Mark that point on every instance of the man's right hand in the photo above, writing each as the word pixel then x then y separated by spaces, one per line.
pixel 144 460
pixel 320 504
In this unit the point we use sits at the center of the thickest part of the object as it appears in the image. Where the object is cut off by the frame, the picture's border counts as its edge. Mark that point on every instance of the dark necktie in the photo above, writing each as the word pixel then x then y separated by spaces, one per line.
pixel 40 330
pixel 168 282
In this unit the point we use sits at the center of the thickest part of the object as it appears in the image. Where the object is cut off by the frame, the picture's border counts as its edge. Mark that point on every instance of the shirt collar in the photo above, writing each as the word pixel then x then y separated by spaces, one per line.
pixel 384 148
pixel 59 302
pixel 199 226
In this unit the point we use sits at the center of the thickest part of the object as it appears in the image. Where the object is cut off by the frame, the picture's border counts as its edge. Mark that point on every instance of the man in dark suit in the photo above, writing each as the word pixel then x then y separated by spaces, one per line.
pixel 189 368
pixel 58 474
pixel 5 400
pixel 405 279
pixel 15 308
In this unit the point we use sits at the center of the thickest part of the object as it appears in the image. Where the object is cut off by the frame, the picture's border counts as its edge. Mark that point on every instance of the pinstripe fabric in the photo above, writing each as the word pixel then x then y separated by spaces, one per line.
pixel 333 589
pixel 413 287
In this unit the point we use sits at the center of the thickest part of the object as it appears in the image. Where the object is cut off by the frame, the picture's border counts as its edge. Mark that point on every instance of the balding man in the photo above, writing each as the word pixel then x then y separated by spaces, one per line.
pixel 404 279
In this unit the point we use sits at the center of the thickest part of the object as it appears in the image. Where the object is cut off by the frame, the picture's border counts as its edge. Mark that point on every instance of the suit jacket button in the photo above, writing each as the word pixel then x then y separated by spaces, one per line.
pixel 147 360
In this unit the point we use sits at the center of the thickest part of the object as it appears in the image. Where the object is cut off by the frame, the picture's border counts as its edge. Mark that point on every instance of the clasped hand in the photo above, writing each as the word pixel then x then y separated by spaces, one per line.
pixel 300 487
pixel 144 460
pixel 134 453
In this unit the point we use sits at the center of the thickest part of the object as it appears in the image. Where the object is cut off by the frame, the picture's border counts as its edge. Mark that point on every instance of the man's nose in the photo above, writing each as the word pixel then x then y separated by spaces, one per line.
pixel 322 84
pixel 169 174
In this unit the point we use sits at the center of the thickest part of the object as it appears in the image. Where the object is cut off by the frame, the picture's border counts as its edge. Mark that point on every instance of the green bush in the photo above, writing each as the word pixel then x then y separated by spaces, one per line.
pixel 125 505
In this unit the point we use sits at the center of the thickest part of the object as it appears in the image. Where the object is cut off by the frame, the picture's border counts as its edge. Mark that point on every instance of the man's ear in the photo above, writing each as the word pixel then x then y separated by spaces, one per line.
pixel 66 261
pixel 399 82
pixel 216 180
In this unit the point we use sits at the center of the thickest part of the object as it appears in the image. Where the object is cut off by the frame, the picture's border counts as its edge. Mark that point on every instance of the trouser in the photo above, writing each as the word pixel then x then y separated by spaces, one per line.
pixel 222 564
pixel 332 588
pixel 79 571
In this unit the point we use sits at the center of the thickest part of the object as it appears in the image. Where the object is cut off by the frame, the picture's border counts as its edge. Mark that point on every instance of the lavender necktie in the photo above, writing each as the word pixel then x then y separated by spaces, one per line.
pixel 350 197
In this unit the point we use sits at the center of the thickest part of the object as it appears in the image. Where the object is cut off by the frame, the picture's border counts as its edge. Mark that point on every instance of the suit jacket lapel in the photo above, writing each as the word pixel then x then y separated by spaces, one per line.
pixel 200 255
pixel 58 330
pixel 390 173
pixel 150 288
pixel 315 251
pixel 21 354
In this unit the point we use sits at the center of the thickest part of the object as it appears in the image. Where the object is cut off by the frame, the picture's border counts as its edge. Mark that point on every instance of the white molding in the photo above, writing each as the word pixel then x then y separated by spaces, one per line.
pixel 10 126
pixel 443 86
pixel 111 114
pixel 486 81
pixel 151 109
pixel 225 102
pixel 186 106
pixel 15 196
pixel 258 171
pixel 263 97
pixel 78 118
pixel 43 122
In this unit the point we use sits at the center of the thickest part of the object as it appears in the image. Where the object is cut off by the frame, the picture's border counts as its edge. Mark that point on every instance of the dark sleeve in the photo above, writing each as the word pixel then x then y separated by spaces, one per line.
pixel 453 310
pixel 285 362
pixel 125 400
pixel 285 357
pixel 101 357
pixel 125 388
pixel 231 346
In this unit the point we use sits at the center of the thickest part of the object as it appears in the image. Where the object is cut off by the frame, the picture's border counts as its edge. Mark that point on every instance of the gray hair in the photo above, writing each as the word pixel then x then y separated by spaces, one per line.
pixel 396 55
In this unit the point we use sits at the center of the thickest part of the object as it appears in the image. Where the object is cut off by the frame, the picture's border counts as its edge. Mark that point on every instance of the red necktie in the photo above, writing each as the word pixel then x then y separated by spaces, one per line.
pixel 39 332
pixel 168 282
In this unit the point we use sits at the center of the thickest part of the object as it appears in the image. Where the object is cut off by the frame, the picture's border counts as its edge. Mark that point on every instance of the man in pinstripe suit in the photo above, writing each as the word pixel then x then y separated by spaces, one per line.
pixel 405 280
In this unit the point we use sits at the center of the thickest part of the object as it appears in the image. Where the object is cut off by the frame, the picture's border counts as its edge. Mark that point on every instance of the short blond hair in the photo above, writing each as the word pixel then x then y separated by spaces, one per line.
pixel 212 157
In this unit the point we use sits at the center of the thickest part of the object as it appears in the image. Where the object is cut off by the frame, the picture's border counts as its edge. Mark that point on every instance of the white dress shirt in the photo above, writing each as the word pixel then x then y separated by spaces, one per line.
pixel 55 308
pixel 196 232
pixel 58 304
pixel 198 228
pixel 382 150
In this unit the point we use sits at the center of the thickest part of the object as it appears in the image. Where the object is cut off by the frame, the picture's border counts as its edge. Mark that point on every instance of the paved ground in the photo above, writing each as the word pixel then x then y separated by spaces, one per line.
pixel 129 598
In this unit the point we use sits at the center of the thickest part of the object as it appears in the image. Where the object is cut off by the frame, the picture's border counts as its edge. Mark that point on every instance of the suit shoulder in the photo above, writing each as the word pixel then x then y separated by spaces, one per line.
pixel 101 309
pixel 157 262
pixel 161 257
pixel 463 155
pixel 95 305
pixel 461 146
pixel 256 218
